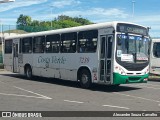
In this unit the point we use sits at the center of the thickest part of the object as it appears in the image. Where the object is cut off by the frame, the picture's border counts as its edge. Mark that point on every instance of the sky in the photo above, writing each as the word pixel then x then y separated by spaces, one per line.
pixel 146 12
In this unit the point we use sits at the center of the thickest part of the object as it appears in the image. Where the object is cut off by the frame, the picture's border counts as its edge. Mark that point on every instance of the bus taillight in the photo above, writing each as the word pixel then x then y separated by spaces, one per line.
pixel 94 76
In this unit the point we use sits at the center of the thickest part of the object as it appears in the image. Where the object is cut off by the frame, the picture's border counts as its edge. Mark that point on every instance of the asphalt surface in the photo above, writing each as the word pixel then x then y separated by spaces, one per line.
pixel 43 94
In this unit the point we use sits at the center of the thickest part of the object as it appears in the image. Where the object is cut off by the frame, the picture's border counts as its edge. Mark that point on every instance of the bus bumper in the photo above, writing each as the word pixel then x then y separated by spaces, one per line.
pixel 124 79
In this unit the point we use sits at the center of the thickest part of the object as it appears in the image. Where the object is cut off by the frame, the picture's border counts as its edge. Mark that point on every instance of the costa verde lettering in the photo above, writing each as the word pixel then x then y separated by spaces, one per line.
pixel 43 60
pixel 52 59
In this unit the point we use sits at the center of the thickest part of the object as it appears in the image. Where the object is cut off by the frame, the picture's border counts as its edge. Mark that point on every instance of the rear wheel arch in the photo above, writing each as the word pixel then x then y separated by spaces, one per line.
pixel 84 77
pixel 28 71
pixel 80 70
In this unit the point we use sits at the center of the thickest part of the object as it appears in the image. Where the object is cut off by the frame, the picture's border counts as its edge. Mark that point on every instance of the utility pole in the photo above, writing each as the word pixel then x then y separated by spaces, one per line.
pixel 51 16
pixel 133 5
pixel 1 28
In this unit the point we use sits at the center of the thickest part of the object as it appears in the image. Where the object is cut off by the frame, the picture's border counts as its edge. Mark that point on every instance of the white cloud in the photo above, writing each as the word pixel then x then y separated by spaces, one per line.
pixel 152 21
pixel 113 14
pixel 94 14
pixel 20 3
pixel 5 21
pixel 98 13
pixel 62 3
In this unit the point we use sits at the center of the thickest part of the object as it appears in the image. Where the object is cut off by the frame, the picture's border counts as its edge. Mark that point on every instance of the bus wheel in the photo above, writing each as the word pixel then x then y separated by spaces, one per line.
pixel 28 72
pixel 85 79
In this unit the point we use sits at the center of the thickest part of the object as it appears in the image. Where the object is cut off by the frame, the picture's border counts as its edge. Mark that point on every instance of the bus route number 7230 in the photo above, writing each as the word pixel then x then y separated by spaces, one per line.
pixel 84 59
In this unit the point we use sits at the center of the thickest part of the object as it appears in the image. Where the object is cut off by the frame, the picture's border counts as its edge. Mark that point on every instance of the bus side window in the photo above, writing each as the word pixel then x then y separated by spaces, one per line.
pixel 8 46
pixel 38 44
pixel 52 43
pixel 26 45
pixel 68 42
pixel 87 41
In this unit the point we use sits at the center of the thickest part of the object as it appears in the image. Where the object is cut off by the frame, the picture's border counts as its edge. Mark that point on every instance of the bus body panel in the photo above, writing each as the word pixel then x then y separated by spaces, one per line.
pixel 8 62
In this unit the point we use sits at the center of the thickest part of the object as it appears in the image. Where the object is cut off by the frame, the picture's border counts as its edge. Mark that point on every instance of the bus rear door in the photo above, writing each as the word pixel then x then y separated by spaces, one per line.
pixel 15 55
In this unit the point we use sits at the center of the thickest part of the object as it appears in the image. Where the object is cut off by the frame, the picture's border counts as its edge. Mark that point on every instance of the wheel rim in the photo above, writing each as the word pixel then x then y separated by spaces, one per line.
pixel 84 78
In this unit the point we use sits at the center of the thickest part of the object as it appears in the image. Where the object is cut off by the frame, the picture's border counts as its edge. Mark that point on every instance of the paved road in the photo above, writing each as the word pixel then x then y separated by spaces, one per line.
pixel 42 94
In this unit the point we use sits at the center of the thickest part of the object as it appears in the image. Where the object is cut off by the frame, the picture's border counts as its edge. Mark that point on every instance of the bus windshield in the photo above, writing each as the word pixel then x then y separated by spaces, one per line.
pixel 132 49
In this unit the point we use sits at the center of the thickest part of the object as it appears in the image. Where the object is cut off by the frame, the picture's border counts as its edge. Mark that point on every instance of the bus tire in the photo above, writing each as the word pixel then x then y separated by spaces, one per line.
pixel 28 72
pixel 85 79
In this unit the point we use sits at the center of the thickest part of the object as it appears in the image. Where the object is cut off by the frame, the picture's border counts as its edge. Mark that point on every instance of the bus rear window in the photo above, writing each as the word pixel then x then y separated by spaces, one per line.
pixel 8 46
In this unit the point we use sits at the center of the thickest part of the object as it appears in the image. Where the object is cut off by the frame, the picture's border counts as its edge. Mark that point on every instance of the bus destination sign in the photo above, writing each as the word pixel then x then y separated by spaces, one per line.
pixel 127 28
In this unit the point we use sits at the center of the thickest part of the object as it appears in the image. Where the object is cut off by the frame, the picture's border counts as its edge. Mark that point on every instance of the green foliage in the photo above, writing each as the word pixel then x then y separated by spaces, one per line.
pixel 79 20
pixel 82 21
pixel 24 20
pixel 66 23
pixel 63 17
pixel 25 23
pixel 35 23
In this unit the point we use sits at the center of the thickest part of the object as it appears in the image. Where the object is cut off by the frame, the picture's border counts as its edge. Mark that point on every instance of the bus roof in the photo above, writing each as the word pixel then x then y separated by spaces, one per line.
pixel 71 29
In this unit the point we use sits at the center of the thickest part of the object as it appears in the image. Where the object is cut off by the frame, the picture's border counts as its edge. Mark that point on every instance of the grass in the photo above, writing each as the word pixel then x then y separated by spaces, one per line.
pixel 16 31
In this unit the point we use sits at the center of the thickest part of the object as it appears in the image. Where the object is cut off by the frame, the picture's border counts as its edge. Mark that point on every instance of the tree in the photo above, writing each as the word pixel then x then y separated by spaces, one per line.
pixel 67 23
pixel 25 23
pixel 79 20
pixel 82 21
pixel 24 20
pixel 63 17
pixel 35 23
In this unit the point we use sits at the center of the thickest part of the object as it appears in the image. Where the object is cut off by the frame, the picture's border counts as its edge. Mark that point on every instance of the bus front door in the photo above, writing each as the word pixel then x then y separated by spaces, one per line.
pixel 105 58
pixel 15 55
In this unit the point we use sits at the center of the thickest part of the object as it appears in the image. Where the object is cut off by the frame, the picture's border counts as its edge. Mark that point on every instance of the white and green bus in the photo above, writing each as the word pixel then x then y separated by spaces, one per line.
pixel 111 53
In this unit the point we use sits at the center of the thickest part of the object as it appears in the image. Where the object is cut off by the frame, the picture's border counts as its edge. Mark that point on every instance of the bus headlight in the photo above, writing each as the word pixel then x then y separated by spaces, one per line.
pixel 120 70
pixel 147 71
